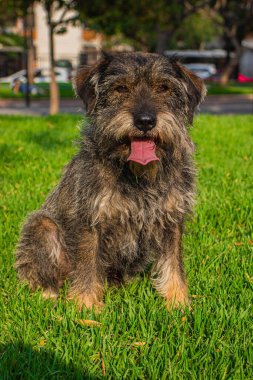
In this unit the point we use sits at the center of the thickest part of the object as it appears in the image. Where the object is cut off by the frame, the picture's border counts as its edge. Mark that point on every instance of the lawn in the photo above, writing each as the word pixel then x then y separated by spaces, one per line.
pixel 134 337
pixel 66 90
pixel 232 88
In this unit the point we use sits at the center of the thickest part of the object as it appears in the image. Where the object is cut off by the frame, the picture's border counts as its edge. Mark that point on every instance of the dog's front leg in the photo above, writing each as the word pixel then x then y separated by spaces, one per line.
pixel 168 272
pixel 86 279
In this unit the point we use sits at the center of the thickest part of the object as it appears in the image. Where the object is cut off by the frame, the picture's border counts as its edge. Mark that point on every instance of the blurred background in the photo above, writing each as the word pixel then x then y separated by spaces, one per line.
pixel 43 43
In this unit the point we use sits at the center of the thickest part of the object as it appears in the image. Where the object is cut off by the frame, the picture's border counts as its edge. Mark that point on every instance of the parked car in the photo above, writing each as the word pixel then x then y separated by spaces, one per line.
pixel 65 63
pixel 202 70
pixel 13 77
pixel 244 79
pixel 40 76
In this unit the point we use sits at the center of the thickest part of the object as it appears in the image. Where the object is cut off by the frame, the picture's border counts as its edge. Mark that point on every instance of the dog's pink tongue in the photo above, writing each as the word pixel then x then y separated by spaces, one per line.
pixel 143 151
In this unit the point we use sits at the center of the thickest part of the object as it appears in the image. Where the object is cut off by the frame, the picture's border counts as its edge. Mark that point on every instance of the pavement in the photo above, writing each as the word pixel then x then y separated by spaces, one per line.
pixel 214 104
pixel 39 107
pixel 228 104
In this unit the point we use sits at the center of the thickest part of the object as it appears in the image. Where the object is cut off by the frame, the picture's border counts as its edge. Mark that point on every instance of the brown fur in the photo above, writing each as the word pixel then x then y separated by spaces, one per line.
pixel 109 218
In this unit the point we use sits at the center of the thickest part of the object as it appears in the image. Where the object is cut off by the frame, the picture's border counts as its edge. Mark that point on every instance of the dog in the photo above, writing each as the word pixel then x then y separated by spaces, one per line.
pixel 123 199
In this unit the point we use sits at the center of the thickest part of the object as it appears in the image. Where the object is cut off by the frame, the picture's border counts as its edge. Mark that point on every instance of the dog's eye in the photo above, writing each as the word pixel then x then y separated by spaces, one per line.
pixel 121 89
pixel 163 88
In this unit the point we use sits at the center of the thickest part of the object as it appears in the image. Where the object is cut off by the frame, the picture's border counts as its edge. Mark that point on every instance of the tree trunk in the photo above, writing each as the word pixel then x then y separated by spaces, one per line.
pixel 227 72
pixel 27 88
pixel 230 66
pixel 30 46
pixel 54 89
pixel 162 41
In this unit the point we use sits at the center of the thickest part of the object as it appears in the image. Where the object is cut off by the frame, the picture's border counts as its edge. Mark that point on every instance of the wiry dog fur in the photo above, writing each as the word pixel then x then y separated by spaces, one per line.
pixel 109 218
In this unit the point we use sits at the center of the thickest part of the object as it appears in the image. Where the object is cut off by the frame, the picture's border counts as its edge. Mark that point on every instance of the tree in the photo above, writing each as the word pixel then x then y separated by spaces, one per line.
pixel 172 16
pixel 236 22
pixel 59 13
pixel 197 30
pixel 150 25
pixel 10 10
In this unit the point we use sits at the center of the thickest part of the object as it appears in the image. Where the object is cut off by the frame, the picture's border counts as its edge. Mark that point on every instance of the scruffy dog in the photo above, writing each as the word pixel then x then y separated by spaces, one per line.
pixel 123 199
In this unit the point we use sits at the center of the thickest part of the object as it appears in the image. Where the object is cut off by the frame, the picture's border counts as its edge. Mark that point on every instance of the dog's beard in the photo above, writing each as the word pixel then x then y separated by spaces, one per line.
pixel 172 135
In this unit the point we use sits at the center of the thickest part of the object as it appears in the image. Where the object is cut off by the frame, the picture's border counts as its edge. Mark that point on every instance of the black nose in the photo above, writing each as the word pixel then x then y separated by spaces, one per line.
pixel 145 122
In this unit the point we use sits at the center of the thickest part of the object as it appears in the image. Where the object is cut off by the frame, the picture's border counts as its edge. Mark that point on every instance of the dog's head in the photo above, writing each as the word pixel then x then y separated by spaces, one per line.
pixel 139 96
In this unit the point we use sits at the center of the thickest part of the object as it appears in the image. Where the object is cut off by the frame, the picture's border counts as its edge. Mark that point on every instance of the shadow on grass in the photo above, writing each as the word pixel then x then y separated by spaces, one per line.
pixel 20 361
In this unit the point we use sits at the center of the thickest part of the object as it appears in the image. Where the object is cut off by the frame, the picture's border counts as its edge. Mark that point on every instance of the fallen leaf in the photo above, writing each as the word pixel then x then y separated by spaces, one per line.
pixel 103 367
pixel 248 278
pixel 250 242
pixel 88 322
pixel 139 344
pixel 238 243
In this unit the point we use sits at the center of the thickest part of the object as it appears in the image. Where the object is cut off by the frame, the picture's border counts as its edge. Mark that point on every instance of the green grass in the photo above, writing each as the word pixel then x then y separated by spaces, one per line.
pixel 44 340
pixel 232 88
pixel 66 91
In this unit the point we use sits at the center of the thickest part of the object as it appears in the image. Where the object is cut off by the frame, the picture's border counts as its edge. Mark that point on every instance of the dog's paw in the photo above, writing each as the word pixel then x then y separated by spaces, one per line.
pixel 49 294
pixel 177 300
pixel 89 301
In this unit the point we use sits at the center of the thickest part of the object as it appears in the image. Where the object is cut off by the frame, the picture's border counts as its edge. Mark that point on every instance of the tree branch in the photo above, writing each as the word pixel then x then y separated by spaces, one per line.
pixel 65 11
pixel 186 13
pixel 65 22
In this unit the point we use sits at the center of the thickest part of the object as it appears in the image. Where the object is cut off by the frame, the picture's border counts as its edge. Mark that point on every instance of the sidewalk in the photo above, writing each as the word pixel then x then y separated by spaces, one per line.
pixel 228 104
pixel 39 107
pixel 214 104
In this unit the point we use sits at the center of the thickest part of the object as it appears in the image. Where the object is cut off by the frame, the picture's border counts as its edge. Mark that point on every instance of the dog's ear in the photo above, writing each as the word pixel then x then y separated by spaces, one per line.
pixel 87 80
pixel 194 86
pixel 84 84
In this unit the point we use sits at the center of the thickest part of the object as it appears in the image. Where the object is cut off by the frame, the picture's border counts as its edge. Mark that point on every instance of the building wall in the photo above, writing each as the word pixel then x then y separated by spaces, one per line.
pixel 67 45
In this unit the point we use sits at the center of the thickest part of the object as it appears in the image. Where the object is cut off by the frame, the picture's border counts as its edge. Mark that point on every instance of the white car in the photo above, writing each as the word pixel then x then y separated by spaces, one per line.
pixel 202 70
pixel 40 76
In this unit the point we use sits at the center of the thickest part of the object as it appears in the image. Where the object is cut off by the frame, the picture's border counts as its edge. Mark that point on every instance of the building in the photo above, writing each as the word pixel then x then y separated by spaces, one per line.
pixel 77 45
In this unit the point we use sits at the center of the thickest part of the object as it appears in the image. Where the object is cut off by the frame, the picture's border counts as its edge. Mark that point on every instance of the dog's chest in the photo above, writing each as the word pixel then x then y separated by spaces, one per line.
pixel 132 226
pixel 136 211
